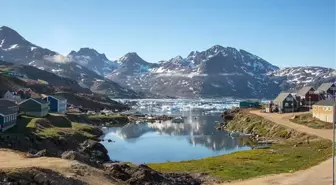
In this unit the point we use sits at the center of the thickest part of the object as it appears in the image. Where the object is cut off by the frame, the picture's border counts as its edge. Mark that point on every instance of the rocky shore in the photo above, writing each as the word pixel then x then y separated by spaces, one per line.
pixel 36 176
pixel 142 174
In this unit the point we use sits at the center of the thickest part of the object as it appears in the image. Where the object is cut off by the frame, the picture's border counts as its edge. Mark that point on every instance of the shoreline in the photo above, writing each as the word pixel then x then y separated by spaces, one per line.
pixel 258 162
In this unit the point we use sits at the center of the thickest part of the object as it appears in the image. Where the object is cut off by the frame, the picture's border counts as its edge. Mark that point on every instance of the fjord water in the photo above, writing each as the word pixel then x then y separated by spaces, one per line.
pixel 158 142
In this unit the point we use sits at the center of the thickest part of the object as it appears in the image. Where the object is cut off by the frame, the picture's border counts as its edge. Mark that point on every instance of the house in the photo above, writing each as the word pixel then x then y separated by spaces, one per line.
pixel 308 97
pixel 8 114
pixel 286 102
pixel 36 107
pixel 12 96
pixel 328 89
pixel 57 104
pixel 325 110
pixel 25 93
pixel 249 104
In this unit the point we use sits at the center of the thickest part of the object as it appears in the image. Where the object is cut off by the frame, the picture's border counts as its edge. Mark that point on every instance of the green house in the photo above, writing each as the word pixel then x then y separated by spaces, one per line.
pixel 249 104
pixel 36 107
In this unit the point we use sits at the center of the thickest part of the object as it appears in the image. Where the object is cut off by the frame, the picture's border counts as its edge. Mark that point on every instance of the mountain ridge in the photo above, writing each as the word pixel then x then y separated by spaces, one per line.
pixel 215 72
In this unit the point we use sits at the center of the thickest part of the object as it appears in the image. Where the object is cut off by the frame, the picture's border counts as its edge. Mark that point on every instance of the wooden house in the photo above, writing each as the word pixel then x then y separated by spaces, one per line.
pixel 57 104
pixel 308 97
pixel 286 102
pixel 12 96
pixel 328 90
pixel 325 110
pixel 36 107
pixel 8 114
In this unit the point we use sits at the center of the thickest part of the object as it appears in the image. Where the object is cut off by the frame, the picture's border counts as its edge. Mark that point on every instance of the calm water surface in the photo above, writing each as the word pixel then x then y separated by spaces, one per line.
pixel 167 141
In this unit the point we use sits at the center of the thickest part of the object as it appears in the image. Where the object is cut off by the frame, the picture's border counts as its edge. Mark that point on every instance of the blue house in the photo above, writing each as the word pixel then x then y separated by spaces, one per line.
pixel 57 104
pixel 8 114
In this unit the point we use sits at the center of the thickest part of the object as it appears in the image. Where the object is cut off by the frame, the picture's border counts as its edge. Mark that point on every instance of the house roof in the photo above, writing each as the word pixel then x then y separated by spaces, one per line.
pixel 6 111
pixel 38 100
pixel 324 86
pixel 326 103
pixel 58 97
pixel 24 89
pixel 304 90
pixel 7 103
pixel 281 97
pixel 4 107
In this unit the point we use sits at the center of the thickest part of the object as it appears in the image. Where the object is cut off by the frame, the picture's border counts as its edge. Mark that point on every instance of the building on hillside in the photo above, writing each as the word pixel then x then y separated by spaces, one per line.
pixel 328 90
pixel 8 114
pixel 36 107
pixel 249 104
pixel 57 104
pixel 325 110
pixel 25 93
pixel 286 102
pixel 12 96
pixel 308 97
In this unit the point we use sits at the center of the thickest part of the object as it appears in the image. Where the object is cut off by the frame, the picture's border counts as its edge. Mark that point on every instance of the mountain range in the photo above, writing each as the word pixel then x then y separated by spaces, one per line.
pixel 216 72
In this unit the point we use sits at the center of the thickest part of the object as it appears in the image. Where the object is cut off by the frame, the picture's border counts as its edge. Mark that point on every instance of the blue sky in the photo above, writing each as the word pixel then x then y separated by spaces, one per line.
pixel 283 32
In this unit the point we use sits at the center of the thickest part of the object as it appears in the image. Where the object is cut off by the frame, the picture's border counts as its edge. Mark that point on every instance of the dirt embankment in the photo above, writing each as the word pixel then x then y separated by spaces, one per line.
pixel 56 136
pixel 248 123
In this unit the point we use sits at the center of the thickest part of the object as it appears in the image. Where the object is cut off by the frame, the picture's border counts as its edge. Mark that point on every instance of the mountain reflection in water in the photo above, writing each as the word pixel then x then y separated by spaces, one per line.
pixel 167 141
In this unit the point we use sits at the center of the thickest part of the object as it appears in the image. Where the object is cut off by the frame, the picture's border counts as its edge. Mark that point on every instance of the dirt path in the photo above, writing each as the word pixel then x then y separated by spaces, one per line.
pixel 317 175
pixel 13 160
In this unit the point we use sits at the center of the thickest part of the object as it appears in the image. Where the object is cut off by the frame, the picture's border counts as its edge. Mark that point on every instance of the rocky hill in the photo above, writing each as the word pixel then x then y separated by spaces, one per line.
pixel 216 72
pixel 291 78
pixel 14 48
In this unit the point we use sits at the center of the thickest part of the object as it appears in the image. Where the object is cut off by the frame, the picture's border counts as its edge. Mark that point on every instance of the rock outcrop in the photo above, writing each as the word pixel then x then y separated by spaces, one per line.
pixel 143 175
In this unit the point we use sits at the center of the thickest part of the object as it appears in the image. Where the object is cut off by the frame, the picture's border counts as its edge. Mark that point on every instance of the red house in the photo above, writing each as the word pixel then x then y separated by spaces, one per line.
pixel 308 96
pixel 25 93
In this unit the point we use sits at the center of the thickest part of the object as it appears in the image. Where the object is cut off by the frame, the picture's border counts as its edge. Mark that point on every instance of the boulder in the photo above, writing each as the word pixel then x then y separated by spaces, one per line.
pixel 73 155
pixel 40 153
pixel 143 175
pixel 95 150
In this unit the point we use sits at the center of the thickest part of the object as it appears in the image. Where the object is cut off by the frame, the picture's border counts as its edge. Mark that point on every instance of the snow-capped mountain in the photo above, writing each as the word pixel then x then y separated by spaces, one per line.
pixel 14 48
pixel 93 60
pixel 216 72
pixel 131 64
pixel 291 78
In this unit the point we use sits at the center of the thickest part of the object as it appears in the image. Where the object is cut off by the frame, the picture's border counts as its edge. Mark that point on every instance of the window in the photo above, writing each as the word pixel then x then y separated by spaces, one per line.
pixel 289 99
pixel 286 104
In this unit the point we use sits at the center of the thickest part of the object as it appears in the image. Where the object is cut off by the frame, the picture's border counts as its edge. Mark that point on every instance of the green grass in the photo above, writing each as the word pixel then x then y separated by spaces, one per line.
pixel 308 120
pixel 60 132
pixel 51 126
pixel 246 164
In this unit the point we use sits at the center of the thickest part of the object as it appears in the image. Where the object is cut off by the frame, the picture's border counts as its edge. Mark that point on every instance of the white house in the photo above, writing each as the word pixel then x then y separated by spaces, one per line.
pixel 10 96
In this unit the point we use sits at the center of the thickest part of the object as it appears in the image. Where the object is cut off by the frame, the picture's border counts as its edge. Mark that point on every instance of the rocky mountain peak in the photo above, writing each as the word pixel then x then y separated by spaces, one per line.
pixel 131 57
pixel 9 38
pixel 216 48
pixel 88 52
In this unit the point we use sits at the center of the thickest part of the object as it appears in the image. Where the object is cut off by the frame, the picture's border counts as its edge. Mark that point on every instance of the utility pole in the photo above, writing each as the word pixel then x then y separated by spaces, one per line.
pixel 333 148
pixel 333 143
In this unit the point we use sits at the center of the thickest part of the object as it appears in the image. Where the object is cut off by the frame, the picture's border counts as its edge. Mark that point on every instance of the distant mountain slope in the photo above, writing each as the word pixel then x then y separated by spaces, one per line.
pixel 14 48
pixel 93 60
pixel 291 78
pixel 216 72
